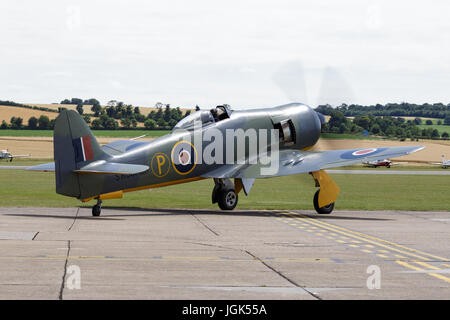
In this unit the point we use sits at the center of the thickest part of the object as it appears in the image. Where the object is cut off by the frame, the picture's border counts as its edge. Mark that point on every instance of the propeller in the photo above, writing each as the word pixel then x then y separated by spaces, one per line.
pixel 333 90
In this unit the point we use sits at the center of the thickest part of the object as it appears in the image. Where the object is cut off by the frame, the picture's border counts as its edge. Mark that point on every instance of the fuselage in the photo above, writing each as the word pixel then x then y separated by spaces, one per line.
pixel 186 153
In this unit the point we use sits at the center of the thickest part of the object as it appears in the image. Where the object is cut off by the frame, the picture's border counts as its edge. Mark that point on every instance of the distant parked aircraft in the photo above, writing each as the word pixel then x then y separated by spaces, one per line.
pixel 380 163
pixel 445 163
pixel 6 155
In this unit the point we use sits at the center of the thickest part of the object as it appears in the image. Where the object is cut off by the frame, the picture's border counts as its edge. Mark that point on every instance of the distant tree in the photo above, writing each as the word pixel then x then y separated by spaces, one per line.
pixel 167 113
pixel 376 130
pixel 136 110
pixel 418 121
pixel 87 118
pixel 16 122
pixel 150 124
pixel 76 101
pixel 444 135
pixel 447 120
pixel 139 117
pixel 65 101
pixel 80 109
pixel 96 108
pixel 4 125
pixel 111 103
pixel 152 115
pixel 126 123
pixel 96 124
pixel 435 134
pixel 172 123
pixel 161 123
pixel 91 101
pixel 159 115
pixel 428 122
pixel 111 124
pixel 32 123
pixel 44 122
pixel 363 122
pixel 197 108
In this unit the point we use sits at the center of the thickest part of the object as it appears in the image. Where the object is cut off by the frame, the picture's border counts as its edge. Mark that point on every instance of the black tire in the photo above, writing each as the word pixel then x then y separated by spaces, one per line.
pixel 227 199
pixel 388 166
pixel 324 210
pixel 96 210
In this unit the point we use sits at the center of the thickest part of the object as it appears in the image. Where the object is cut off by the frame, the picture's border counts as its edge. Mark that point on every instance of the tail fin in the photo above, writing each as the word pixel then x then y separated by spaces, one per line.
pixel 74 146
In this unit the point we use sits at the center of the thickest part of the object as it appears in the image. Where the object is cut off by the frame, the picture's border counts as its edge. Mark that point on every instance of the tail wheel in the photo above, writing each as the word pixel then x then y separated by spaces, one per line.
pixel 323 210
pixel 228 199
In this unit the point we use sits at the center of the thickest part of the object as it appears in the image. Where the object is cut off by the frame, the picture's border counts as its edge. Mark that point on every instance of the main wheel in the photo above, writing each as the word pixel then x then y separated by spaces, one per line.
pixel 323 210
pixel 228 199
pixel 96 210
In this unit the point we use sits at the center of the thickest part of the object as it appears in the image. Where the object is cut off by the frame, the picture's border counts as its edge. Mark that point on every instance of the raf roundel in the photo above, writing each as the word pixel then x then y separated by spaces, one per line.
pixel 184 157
pixel 364 152
pixel 361 153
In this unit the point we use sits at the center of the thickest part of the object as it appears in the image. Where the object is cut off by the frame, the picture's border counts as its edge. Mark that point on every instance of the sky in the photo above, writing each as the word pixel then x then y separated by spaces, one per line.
pixel 247 54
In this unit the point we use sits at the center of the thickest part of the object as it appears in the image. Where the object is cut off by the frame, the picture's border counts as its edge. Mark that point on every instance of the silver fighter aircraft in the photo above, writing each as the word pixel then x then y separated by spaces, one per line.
pixel 233 148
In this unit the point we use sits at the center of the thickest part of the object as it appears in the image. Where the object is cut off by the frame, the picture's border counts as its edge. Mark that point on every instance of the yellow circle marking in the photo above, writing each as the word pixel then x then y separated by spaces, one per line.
pixel 195 159
pixel 161 160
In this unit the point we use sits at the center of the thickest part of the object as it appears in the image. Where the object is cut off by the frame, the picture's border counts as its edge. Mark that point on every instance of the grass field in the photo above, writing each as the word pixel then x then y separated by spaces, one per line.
pixel 97 133
pixel 359 192
pixel 440 128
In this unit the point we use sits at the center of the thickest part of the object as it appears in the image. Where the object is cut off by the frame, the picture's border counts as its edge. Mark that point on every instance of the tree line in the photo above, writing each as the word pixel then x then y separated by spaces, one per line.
pixel 388 126
pixel 426 110
pixel 115 115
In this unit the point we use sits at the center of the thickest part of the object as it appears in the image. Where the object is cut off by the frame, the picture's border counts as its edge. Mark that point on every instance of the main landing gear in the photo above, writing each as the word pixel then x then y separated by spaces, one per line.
pixel 224 194
pixel 326 196
pixel 97 209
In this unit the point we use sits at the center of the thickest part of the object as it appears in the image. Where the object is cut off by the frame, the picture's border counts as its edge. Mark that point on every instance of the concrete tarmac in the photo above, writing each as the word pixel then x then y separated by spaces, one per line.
pixel 133 253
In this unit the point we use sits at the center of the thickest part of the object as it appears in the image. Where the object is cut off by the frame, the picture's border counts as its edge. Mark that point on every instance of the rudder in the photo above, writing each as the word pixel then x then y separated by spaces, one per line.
pixel 74 146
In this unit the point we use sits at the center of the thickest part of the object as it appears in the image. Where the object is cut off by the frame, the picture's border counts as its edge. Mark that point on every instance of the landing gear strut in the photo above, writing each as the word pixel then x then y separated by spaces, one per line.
pixel 224 194
pixel 97 209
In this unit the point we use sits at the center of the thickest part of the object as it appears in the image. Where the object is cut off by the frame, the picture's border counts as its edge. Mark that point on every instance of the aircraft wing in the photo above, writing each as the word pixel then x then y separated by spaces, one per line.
pixel 97 168
pixel 296 161
pixel 19 155
pixel 46 167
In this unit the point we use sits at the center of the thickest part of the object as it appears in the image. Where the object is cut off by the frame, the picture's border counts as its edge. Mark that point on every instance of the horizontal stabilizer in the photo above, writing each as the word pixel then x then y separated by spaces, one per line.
pixel 102 167
pixel 47 167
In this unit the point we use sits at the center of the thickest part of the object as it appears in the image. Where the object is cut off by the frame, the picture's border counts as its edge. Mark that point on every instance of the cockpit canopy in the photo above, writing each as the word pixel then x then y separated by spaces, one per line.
pixel 204 118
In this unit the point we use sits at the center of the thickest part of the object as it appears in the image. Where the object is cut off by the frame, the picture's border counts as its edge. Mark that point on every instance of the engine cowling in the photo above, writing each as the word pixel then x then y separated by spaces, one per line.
pixel 298 124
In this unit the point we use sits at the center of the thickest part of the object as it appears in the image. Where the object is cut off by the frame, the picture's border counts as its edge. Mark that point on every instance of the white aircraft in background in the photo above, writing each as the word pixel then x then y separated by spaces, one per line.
pixel 380 163
pixel 6 155
pixel 445 163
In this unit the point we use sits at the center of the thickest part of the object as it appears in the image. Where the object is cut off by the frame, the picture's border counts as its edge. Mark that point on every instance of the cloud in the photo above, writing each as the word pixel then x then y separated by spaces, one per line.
pixel 208 52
